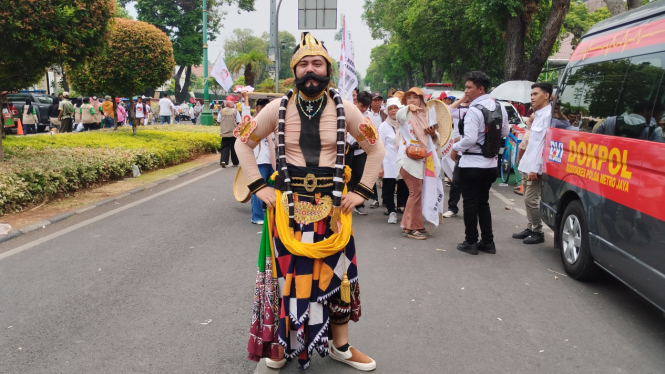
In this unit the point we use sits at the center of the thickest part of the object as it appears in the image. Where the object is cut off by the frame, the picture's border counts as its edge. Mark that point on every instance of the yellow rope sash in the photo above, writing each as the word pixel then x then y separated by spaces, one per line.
pixel 322 249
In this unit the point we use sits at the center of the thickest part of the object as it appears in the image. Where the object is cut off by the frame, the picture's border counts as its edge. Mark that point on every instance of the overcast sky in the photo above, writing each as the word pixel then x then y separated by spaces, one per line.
pixel 259 21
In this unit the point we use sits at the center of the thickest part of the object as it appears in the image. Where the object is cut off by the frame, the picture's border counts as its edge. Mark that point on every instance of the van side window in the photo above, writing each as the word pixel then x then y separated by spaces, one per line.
pixel 637 109
pixel 624 97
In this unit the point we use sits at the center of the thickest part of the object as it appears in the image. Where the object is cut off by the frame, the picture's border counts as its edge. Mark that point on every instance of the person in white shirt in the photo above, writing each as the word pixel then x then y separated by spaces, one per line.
pixel 177 111
pixel 531 163
pixel 389 136
pixel 148 112
pixel 265 158
pixel 457 111
pixel 359 157
pixel 166 109
pixel 477 171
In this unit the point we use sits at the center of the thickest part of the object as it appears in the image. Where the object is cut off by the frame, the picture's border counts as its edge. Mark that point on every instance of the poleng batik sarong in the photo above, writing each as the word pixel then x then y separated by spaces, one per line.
pixel 309 291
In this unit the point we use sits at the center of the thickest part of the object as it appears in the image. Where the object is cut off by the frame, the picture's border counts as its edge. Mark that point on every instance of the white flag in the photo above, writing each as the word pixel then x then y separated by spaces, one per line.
pixel 347 68
pixel 221 74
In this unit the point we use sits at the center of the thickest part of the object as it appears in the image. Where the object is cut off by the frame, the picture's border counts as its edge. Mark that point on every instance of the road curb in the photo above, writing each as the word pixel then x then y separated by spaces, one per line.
pixel 63 216
pixel 35 226
pixel 11 235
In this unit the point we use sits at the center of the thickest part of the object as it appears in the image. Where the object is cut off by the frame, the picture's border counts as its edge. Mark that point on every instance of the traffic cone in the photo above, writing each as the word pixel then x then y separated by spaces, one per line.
pixel 19 128
pixel 521 188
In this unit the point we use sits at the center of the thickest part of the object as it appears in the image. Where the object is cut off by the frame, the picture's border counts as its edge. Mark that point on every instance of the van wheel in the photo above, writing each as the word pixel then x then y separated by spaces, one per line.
pixel 574 240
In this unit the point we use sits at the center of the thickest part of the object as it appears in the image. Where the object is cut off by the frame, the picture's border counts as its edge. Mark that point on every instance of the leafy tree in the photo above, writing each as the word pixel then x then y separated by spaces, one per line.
pixel 37 34
pixel 617 7
pixel 122 12
pixel 251 63
pixel 267 85
pixel 137 55
pixel 240 81
pixel 579 20
pixel 285 54
pixel 181 20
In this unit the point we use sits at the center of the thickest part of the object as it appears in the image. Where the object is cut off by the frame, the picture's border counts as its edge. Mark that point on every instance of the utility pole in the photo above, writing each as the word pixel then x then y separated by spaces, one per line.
pixel 206 116
pixel 274 48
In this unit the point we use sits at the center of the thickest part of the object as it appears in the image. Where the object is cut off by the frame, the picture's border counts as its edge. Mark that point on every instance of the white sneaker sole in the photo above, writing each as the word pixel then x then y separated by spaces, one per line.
pixel 275 364
pixel 356 365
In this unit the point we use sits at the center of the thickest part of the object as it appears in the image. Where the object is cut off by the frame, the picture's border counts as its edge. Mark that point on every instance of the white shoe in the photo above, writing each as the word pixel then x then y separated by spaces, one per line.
pixel 449 214
pixel 350 358
pixel 275 364
pixel 392 217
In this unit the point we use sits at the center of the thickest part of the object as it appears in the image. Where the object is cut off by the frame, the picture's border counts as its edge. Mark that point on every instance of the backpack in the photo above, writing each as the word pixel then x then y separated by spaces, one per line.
pixel 493 124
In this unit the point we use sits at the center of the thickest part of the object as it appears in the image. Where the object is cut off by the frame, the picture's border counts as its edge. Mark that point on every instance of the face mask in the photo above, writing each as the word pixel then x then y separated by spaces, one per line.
pixel 312 90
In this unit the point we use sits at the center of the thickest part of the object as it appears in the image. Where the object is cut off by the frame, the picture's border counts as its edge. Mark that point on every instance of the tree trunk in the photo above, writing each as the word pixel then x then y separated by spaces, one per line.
pixel 548 37
pixel 132 113
pixel 249 75
pixel 632 4
pixel 514 62
pixel 616 7
pixel 426 69
pixel 182 92
pixel 438 72
pixel 65 84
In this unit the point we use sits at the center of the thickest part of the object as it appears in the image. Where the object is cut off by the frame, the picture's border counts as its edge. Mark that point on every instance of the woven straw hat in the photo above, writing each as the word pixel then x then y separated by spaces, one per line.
pixel 443 119
pixel 240 190
pixel 416 91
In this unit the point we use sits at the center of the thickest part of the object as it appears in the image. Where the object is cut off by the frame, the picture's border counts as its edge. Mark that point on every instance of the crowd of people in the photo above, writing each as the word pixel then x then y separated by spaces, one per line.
pixel 404 128
pixel 80 114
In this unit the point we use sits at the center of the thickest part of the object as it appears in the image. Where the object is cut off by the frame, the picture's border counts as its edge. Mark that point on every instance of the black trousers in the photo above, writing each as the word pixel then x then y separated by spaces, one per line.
pixel 455 189
pixel 228 145
pixel 388 193
pixel 476 184
pixel 402 193
pixel 357 170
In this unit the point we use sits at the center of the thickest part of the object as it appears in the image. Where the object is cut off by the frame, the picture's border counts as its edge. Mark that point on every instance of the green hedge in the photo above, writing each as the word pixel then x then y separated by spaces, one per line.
pixel 39 167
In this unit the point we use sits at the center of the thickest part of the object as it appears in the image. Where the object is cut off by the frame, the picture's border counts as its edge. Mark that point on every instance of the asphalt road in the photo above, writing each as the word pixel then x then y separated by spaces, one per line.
pixel 163 282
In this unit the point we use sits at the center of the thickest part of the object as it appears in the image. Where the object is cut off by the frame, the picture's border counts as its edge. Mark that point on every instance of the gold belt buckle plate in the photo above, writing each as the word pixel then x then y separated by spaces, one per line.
pixel 310 183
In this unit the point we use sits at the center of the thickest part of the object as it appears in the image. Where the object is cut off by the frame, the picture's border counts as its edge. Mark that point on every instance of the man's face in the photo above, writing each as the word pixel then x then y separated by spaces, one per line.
pixel 311 64
pixel 355 97
pixel 362 108
pixel 572 117
pixel 448 101
pixel 472 91
pixel 539 98
pixel 229 104
pixel 376 104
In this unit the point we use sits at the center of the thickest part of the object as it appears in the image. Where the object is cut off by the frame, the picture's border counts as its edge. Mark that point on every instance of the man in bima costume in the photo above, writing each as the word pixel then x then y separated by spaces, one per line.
pixel 307 285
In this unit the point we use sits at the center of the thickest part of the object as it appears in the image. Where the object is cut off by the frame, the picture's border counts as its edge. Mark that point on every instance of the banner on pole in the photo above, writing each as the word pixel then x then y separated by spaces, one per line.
pixel 221 74
pixel 347 68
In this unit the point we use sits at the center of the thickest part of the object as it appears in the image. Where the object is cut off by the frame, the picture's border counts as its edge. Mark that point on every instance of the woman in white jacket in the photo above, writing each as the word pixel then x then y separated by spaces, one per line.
pixel 416 137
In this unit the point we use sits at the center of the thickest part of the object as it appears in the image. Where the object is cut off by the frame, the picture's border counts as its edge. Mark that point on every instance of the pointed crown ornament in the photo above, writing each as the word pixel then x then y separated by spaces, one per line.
pixel 309 46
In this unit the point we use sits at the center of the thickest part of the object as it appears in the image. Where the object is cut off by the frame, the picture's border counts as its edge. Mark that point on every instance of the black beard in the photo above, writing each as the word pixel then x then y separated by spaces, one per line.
pixel 312 90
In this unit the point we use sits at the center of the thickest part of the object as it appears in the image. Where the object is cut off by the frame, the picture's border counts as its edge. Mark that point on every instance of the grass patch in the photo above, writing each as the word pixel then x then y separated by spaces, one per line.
pixel 39 167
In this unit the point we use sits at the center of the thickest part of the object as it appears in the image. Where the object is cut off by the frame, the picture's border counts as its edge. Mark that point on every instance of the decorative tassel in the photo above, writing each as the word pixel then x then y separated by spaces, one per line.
pixel 345 289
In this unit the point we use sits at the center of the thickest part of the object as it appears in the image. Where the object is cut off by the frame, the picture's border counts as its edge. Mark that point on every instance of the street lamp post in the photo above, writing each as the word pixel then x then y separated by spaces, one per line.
pixel 206 116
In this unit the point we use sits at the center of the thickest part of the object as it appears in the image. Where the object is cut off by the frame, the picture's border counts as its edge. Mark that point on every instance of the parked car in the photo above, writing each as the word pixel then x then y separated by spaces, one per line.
pixel 604 176
pixel 39 100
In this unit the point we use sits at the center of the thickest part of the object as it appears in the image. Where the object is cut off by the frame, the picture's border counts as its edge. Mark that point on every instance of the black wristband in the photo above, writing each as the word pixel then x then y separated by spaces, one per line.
pixel 364 191
pixel 258 184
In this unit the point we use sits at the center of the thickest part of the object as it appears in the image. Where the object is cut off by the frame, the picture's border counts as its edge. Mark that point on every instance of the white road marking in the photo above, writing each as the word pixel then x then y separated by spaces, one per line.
pixel 57 234
pixel 501 197
pixel 520 211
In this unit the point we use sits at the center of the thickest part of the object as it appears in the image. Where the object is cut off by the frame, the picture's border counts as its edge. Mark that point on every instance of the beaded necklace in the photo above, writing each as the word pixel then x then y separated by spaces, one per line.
pixel 308 110
pixel 338 178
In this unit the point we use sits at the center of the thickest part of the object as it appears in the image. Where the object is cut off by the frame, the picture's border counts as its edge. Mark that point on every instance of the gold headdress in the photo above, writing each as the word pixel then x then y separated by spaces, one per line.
pixel 309 46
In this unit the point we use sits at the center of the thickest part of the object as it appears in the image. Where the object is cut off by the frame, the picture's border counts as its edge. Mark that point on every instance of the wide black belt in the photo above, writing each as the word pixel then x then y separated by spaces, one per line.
pixel 307 179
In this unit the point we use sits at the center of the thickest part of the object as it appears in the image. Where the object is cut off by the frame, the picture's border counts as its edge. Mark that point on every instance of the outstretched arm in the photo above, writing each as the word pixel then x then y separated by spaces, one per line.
pixel 260 127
